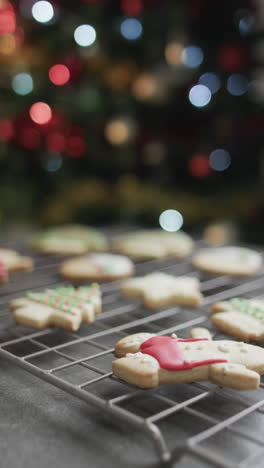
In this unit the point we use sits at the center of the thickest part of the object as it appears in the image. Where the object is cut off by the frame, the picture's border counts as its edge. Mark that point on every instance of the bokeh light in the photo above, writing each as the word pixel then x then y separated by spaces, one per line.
pixel 153 153
pixel 22 84
pixel 131 29
pixel 199 166
pixel 42 11
pixel 145 87
pixel 55 142
pixel 211 80
pixel 192 56
pixel 29 138
pixel 59 74
pixel 8 44
pixel 173 53
pixel 220 160
pixel 237 84
pixel 245 21
pixel 118 132
pixel 200 95
pixel 75 146
pixel 6 130
pixel 40 113
pixel 7 18
pixel 85 35
pixel 171 220
pixel 51 162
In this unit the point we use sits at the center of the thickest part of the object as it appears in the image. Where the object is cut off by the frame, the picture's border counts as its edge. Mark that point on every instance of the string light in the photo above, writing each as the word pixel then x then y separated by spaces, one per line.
pixel 220 160
pixel 171 220
pixel 192 56
pixel 200 95
pixel 131 29
pixel 59 74
pixel 40 113
pixel 211 80
pixel 173 53
pixel 85 35
pixel 22 84
pixel 42 11
pixel 237 84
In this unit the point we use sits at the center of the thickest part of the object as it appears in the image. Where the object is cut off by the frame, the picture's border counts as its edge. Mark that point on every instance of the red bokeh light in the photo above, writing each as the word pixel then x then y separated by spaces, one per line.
pixel 55 142
pixel 29 138
pixel 133 8
pixel 6 130
pixel 231 58
pixel 59 74
pixel 7 19
pixel 40 113
pixel 75 146
pixel 199 166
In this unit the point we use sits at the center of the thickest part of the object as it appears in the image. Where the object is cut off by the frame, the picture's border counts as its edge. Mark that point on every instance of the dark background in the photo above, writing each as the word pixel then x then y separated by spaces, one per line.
pixel 123 142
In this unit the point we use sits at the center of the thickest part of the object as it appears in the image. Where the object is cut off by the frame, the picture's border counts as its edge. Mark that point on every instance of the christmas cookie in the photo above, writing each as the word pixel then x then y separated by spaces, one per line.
pixel 160 290
pixel 241 318
pixel 153 244
pixel 69 240
pixel 99 267
pixel 148 360
pixel 12 261
pixel 236 261
pixel 63 307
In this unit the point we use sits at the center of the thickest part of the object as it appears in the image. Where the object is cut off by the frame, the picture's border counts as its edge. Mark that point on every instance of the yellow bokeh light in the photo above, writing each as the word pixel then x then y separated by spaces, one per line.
pixel 145 87
pixel 173 53
pixel 7 44
pixel 118 132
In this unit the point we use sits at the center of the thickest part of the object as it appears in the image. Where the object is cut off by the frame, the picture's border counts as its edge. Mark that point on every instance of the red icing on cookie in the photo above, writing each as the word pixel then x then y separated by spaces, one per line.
pixel 169 354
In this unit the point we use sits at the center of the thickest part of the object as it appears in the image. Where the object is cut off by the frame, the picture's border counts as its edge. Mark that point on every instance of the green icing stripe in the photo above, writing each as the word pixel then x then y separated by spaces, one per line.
pixel 63 298
pixel 243 305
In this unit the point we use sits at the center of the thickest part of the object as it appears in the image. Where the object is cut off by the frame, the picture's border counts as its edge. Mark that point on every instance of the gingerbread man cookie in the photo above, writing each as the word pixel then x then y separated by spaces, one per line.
pixel 69 240
pixel 236 261
pixel 241 318
pixel 11 261
pixel 151 244
pixel 63 307
pixel 148 360
pixel 97 266
pixel 160 290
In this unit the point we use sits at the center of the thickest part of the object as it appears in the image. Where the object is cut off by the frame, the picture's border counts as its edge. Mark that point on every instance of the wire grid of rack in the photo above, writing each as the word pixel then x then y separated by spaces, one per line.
pixel 220 426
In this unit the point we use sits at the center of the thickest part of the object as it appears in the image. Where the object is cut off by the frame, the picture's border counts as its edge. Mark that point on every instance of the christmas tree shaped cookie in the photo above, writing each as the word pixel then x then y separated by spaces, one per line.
pixel 241 318
pixel 63 307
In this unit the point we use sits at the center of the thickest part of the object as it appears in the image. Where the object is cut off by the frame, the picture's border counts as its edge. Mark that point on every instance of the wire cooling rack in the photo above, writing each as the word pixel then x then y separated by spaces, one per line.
pixel 220 426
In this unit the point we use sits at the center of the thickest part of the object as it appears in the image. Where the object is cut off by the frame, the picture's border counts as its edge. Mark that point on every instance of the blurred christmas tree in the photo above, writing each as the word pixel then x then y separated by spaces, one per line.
pixel 125 108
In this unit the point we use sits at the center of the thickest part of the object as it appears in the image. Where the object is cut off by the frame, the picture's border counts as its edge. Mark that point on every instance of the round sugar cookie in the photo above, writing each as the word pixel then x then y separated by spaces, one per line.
pixel 235 261
pixel 69 240
pixel 153 243
pixel 11 261
pixel 99 267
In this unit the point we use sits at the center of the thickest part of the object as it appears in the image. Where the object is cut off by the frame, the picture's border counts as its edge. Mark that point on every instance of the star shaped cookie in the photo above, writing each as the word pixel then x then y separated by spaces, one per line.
pixel 63 307
pixel 160 290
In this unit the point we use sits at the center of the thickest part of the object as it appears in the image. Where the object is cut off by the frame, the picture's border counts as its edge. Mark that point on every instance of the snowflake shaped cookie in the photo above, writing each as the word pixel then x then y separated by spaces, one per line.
pixel 63 307
pixel 148 360
pixel 160 290
pixel 241 318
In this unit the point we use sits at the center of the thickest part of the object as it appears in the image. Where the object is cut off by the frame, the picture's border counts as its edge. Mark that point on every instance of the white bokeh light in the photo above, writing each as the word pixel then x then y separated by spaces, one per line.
pixel 220 160
pixel 211 80
pixel 200 95
pixel 42 11
pixel 237 84
pixel 171 220
pixel 22 84
pixel 131 29
pixel 85 35
pixel 192 56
